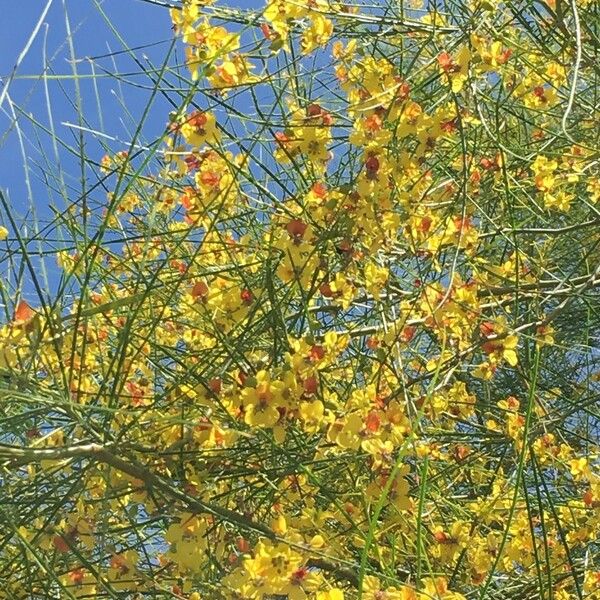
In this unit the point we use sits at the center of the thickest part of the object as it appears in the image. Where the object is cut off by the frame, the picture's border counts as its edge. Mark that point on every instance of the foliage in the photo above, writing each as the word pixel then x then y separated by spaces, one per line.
pixel 334 334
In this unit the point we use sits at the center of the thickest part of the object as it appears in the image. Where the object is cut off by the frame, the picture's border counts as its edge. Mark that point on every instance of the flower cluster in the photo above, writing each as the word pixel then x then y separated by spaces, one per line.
pixel 335 341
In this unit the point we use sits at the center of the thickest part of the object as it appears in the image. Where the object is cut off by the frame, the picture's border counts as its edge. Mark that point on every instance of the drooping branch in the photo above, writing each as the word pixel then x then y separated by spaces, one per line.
pixel 15 456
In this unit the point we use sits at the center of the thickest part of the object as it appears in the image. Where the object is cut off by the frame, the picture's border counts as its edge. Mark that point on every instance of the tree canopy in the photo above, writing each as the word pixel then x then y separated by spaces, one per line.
pixel 333 335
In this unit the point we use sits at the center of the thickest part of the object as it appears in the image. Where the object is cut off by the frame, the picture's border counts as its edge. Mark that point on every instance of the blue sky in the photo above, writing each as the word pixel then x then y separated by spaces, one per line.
pixel 138 22
pixel 40 173
pixel 37 172
pixel 145 27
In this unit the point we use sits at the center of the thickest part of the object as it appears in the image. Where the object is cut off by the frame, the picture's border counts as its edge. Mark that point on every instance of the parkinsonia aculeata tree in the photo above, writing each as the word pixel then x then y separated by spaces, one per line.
pixel 334 334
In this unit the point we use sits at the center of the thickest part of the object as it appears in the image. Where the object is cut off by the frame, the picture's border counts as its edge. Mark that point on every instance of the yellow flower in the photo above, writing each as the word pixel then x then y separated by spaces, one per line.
pixel 345 433
pixel 262 401
pixel 369 132
pixel 438 588
pixel 332 594
pixel 500 344
pixel 79 583
pixel 342 290
pixel 375 279
pixel 200 128
pixel 312 414
pixel 272 568
pixel 207 44
pixel 232 72
pixel 544 169
pixel 410 120
pixel 188 542
pixel 280 13
pixel 121 574
pixel 559 201
pixel 593 189
pixel 317 34
pixel 580 468
pixel 456 70
pixel 556 74
pixel 183 20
